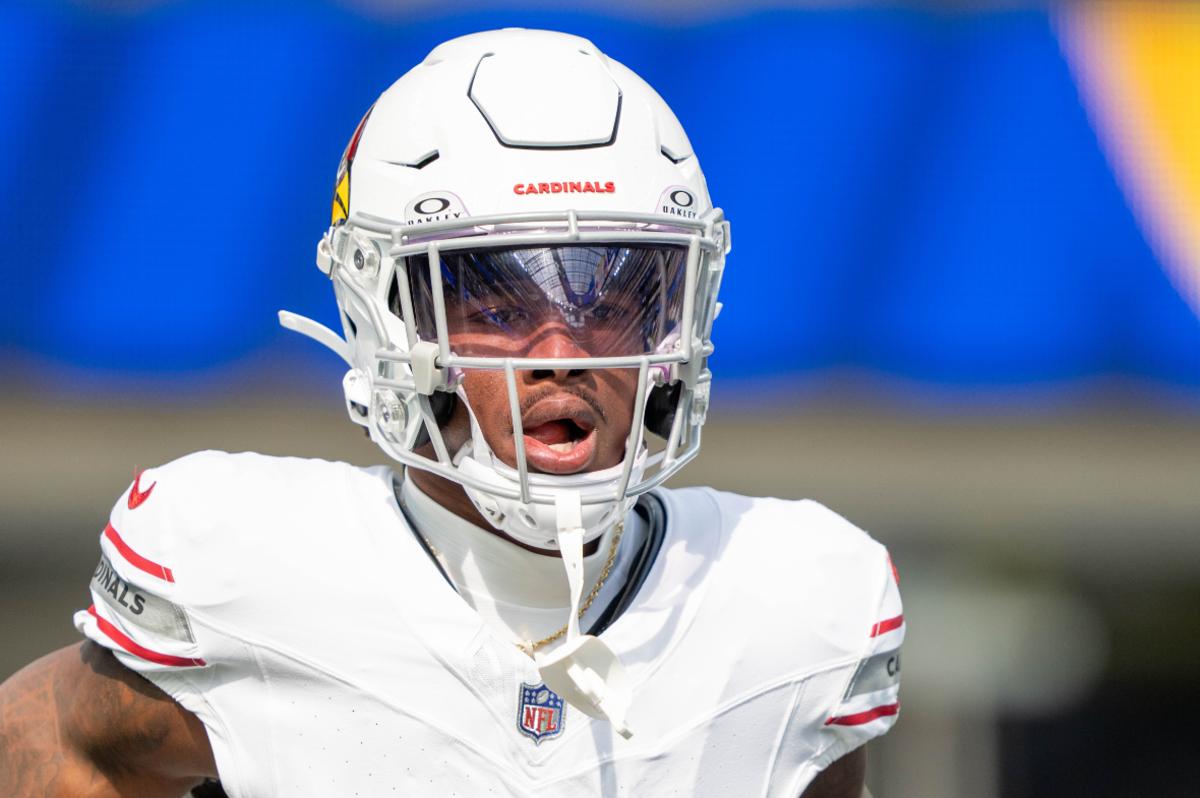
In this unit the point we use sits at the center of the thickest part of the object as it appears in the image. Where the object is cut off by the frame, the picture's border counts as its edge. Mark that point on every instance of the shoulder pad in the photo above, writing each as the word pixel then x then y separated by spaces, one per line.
pixel 137 601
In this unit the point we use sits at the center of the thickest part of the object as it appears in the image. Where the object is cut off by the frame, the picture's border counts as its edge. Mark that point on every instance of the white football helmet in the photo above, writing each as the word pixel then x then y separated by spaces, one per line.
pixel 524 161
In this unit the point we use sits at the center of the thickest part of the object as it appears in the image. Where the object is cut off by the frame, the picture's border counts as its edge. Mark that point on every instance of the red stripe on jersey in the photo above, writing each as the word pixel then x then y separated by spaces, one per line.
pixel 859 718
pixel 883 627
pixel 135 559
pixel 127 643
pixel 892 565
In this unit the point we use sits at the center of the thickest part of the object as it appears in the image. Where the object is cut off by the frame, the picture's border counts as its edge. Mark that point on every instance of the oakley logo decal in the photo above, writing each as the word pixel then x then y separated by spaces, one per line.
pixel 431 205
pixel 677 201
pixel 682 198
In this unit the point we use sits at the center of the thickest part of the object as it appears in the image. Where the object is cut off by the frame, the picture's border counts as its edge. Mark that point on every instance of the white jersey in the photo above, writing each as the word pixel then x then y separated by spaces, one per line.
pixel 287 604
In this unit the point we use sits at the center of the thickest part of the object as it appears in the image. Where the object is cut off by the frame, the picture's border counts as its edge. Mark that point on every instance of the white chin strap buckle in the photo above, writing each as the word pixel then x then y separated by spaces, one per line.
pixel 583 670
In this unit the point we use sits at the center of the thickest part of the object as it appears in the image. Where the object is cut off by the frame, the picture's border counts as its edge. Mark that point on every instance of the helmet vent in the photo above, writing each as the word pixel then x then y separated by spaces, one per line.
pixel 667 154
pixel 420 163
pixel 428 159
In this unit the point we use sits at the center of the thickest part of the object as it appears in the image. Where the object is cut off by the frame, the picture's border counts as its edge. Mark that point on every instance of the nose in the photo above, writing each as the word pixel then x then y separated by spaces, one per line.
pixel 554 341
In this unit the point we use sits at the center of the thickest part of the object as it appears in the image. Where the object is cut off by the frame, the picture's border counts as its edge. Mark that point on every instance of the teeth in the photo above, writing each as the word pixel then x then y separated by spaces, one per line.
pixel 563 447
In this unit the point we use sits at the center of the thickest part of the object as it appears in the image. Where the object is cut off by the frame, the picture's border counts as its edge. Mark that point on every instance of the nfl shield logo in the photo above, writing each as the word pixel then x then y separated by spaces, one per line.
pixel 539 712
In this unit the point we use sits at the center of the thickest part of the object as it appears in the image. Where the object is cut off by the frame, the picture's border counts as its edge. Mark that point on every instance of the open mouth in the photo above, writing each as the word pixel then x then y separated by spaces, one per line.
pixel 561 434
pixel 560 445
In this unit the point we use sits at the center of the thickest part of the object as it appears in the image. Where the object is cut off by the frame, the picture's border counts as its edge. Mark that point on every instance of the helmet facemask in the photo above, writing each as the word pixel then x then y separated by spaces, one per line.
pixel 550 340
pixel 510 304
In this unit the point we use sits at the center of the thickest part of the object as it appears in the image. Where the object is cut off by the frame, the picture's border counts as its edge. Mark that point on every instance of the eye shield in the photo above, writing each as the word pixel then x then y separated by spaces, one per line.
pixel 602 300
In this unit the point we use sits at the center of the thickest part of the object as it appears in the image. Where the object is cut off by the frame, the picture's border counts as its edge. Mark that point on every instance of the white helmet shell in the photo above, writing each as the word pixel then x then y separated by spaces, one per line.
pixel 514 121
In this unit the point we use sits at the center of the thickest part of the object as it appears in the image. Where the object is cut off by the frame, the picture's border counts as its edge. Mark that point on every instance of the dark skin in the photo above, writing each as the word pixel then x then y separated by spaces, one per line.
pixel 77 723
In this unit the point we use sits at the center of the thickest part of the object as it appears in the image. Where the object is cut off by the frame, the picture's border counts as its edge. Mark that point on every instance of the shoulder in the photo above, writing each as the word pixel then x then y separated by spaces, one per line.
pixel 798 560
pixel 808 597
pixel 795 537
pixel 207 491
pixel 202 527
pixel 219 538
pixel 214 481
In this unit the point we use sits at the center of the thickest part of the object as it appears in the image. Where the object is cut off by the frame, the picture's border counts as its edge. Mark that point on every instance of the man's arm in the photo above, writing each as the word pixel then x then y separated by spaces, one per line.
pixel 78 723
pixel 843 779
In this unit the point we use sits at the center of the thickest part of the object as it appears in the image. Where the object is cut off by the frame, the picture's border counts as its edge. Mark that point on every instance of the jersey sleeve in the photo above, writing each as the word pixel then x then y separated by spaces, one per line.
pixel 137 605
pixel 202 570
pixel 852 693
pixel 865 701
pixel 871 700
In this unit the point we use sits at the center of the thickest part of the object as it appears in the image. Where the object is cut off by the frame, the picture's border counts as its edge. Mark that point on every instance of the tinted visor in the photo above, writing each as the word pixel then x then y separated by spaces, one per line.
pixel 606 301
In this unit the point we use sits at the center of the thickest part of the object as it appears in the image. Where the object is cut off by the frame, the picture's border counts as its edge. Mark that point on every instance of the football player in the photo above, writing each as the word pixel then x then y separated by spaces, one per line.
pixel 526 262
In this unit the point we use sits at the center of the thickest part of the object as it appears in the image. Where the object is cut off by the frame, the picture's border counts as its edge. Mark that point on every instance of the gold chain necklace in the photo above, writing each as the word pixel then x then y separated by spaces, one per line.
pixel 529 647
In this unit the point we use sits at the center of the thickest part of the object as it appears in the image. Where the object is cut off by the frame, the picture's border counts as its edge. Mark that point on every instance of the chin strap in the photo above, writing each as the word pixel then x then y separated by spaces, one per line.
pixel 583 670
pixel 570 543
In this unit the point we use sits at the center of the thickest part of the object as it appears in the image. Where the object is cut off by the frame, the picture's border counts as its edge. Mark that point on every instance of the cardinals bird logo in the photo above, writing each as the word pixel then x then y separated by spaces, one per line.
pixel 341 189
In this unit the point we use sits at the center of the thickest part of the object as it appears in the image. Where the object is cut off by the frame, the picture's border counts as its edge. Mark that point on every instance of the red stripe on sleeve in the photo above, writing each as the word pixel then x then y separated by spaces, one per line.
pixel 125 642
pixel 859 718
pixel 883 627
pixel 135 559
pixel 892 565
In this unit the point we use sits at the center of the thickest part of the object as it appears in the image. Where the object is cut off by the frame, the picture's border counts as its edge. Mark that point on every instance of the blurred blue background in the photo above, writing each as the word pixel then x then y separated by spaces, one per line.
pixel 915 194
pixel 965 277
